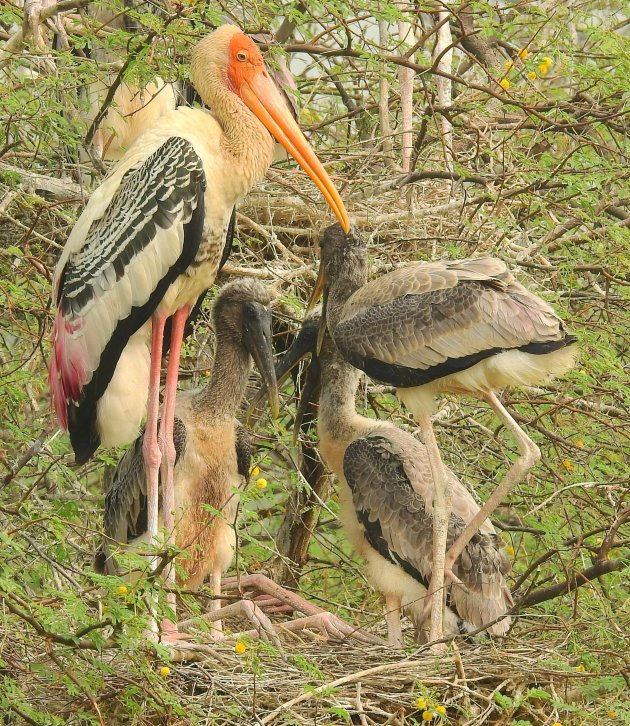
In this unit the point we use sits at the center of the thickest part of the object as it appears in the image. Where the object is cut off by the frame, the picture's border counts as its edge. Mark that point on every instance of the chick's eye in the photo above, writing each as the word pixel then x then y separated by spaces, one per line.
pixel 241 55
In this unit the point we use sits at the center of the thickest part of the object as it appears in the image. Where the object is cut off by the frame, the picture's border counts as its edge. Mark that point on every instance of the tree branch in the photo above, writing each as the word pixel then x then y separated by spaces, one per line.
pixel 576 580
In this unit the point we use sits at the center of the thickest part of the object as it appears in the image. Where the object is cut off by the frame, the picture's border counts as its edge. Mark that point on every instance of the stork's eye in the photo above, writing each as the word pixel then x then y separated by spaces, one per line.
pixel 241 55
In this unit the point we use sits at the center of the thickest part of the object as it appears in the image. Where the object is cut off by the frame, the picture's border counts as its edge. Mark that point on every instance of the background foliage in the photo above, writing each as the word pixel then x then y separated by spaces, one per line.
pixel 524 156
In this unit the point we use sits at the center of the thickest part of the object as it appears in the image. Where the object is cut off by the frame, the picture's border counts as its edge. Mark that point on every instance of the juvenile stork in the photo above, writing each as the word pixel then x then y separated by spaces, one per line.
pixel 212 450
pixel 386 495
pixel 463 327
pixel 149 243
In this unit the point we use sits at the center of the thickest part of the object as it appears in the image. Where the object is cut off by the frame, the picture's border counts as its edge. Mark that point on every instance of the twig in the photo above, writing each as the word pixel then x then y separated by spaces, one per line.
pixel 61 190
pixel 14 44
pixel 407 664
pixel 572 583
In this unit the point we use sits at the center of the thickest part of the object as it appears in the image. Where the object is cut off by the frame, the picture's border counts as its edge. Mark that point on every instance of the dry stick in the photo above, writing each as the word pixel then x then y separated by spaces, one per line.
pixel 32 451
pixel 14 44
pixel 443 59
pixel 63 669
pixel 383 98
pixel 48 635
pixel 569 585
pixel 340 682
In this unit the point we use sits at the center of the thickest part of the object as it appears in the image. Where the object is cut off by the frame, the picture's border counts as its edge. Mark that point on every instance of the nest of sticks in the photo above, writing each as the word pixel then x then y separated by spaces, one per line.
pixel 315 682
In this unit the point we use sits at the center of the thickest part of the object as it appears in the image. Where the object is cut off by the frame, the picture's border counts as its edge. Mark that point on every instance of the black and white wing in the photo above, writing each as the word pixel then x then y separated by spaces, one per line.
pixel 112 278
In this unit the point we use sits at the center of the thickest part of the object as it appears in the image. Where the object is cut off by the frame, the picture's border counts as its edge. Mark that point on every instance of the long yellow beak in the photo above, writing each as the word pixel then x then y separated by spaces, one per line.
pixel 264 100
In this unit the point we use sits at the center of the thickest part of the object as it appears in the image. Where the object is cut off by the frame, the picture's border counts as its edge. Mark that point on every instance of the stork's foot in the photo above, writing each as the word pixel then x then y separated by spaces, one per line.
pixel 182 651
pixel 170 633
pixel 263 627
pixel 272 605
pixel 333 626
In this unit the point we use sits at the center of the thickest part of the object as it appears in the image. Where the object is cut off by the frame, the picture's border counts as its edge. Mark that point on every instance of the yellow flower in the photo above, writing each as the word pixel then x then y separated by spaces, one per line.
pixel 612 714
pixel 240 648
pixel 523 53
pixel 421 703
pixel 164 671
pixel 547 61
pixel 509 551
pixel 254 471
pixel 261 483
pixel 441 710
pixel 531 76
pixel 543 68
pixel 508 65
pixel 580 668
pixel 427 715
pixel 568 465
pixel 504 83
pixel 121 589
pixel 556 723
pixel 579 443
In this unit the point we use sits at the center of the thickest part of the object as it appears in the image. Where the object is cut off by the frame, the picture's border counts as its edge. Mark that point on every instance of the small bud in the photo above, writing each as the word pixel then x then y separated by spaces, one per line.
pixel 427 716
pixel 240 648
pixel 504 83
pixel 421 704
pixel 441 710
pixel 523 53
pixel 531 76
pixel 121 589
pixel 165 671
pixel 254 471
pixel 261 483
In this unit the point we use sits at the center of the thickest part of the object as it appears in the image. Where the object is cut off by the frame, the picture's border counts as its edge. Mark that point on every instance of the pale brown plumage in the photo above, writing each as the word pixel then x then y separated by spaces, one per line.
pixel 212 448
pixel 428 328
pixel 386 497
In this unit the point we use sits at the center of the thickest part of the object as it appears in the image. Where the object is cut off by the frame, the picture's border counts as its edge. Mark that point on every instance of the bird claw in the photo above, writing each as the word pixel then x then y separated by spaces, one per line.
pixel 331 627
pixel 182 651
pixel 263 627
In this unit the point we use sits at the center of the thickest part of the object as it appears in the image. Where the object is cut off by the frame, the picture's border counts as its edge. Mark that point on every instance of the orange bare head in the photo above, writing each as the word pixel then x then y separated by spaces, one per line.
pixel 247 77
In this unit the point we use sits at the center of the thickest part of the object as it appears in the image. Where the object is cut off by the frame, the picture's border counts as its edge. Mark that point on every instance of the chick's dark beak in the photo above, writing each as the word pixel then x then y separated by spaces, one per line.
pixel 257 337
pixel 303 344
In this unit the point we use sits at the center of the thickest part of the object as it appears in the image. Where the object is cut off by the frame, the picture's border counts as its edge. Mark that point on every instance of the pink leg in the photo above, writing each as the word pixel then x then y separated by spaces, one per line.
pixel 150 448
pixel 165 439
pixel 246 608
pixel 334 626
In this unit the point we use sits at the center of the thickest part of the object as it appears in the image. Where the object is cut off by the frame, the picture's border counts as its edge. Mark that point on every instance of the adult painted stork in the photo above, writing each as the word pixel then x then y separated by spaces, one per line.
pixel 212 450
pixel 463 327
pixel 149 243
pixel 386 496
